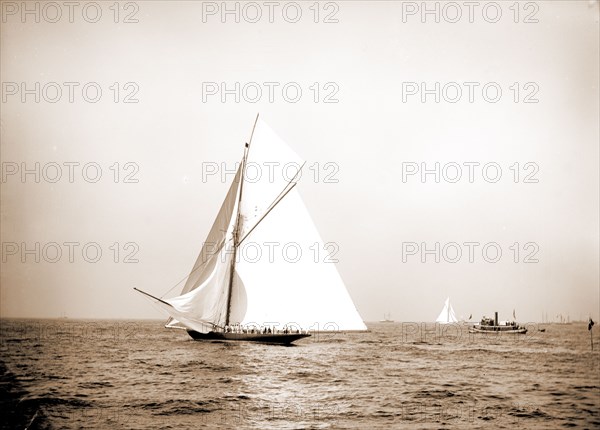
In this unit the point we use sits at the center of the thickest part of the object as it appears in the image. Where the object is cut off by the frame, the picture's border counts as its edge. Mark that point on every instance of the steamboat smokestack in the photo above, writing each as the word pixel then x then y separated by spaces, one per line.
pixel 496 318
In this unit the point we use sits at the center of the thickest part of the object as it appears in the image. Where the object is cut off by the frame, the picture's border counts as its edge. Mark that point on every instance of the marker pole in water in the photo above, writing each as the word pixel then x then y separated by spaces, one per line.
pixel 590 327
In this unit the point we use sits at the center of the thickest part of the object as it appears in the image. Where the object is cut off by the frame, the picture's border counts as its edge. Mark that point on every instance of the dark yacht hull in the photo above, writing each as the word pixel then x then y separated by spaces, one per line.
pixel 279 338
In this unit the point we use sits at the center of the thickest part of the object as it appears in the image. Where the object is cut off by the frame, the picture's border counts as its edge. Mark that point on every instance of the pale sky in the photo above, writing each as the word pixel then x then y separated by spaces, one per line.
pixel 371 61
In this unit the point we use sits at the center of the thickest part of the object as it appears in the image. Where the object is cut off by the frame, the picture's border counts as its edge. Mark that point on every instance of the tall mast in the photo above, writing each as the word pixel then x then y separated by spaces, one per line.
pixel 237 226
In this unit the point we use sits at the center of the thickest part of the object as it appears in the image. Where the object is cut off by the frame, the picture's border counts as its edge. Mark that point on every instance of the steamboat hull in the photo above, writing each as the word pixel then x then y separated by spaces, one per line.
pixel 498 329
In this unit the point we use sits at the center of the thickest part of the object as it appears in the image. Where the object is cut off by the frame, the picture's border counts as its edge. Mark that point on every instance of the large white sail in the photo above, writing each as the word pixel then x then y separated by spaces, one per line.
pixel 284 288
pixel 447 315
pixel 280 286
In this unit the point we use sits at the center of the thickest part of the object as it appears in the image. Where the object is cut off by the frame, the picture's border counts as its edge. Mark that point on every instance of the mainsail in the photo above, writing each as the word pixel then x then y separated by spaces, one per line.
pixel 447 315
pixel 264 262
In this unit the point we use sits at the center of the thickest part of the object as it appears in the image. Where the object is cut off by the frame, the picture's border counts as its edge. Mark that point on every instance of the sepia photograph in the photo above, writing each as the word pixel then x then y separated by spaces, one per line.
pixel 310 214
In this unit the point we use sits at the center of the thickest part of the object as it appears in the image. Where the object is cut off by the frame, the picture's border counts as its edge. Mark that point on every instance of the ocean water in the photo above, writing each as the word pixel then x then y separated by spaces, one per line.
pixel 58 374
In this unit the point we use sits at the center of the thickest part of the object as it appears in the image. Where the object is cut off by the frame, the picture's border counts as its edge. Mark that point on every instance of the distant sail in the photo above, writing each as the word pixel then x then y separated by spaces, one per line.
pixel 447 315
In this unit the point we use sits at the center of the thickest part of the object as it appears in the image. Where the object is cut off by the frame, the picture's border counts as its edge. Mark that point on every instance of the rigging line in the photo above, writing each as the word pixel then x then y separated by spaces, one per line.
pixel 151 296
pixel 266 213
pixel 293 180
pixel 280 197
pixel 251 136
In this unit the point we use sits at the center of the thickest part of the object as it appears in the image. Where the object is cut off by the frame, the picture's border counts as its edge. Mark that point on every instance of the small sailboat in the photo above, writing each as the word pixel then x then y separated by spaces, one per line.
pixel 386 318
pixel 230 296
pixel 447 315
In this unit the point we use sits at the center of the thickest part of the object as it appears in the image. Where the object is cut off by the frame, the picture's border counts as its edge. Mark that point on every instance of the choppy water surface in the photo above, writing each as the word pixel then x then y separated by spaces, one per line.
pixel 130 374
